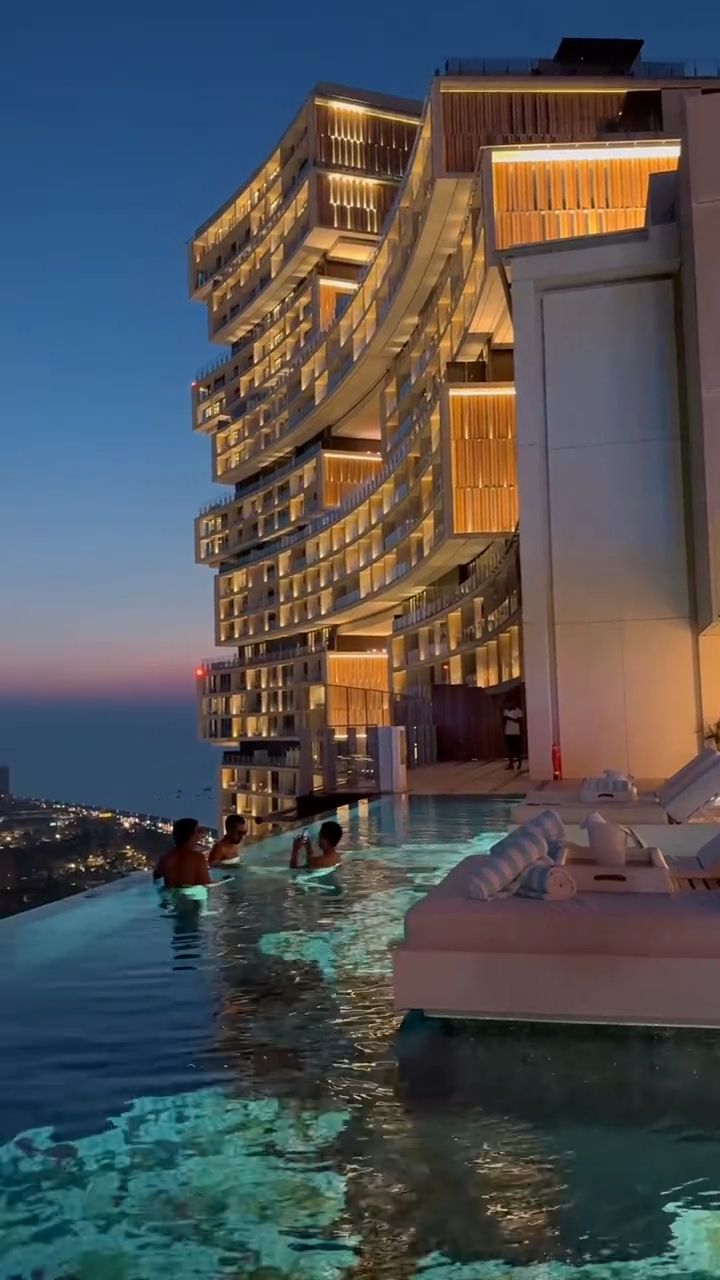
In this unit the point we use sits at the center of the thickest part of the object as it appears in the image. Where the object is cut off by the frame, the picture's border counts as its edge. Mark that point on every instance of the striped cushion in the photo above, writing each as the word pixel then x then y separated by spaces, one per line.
pixel 551 826
pixel 506 861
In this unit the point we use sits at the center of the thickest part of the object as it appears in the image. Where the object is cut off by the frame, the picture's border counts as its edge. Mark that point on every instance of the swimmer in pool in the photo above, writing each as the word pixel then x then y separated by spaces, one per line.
pixel 325 857
pixel 185 865
pixel 229 847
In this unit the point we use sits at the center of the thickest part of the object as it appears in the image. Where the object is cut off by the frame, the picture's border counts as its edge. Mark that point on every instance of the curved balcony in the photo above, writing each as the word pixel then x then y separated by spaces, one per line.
pixel 466 635
pixel 317 480
pixel 242 380
pixel 489 657
pixel 325 385
pixel 266 266
pixel 422 230
pixel 328 214
pixel 261 512
pixel 378 512
pixel 361 495
pixel 219 242
pixel 494 560
pixel 345 132
pixel 339 571
pixel 265 225
pixel 365 570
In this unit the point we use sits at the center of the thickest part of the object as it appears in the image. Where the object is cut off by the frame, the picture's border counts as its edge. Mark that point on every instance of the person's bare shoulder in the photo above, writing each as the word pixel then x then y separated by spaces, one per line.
pixel 218 852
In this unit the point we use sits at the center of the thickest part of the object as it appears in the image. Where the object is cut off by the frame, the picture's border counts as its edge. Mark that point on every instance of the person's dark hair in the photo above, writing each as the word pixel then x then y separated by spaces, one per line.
pixel 331 831
pixel 233 820
pixel 183 830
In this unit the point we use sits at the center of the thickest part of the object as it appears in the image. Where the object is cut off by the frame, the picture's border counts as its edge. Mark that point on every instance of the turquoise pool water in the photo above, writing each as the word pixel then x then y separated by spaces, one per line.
pixel 231 1096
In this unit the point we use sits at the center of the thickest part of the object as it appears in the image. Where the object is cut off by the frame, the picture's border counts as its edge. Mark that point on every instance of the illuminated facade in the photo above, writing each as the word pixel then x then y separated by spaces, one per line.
pixel 364 416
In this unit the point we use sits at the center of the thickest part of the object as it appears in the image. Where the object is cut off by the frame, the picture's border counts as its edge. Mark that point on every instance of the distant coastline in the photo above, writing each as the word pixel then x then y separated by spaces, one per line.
pixel 51 851
pixel 130 757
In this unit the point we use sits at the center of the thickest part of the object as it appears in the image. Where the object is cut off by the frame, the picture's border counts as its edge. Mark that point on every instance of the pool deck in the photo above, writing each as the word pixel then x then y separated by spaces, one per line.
pixel 467 778
pixel 489 778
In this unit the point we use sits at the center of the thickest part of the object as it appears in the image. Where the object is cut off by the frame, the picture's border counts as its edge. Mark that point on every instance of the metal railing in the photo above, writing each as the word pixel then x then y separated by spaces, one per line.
pixel 395 270
pixel 547 68
pixel 251 245
pixel 354 500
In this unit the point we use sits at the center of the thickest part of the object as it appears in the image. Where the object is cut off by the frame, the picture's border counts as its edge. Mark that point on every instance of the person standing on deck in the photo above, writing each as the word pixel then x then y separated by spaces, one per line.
pixel 512 717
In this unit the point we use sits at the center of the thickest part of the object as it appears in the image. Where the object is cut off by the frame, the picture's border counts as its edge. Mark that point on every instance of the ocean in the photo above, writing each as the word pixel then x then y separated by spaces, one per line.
pixel 136 756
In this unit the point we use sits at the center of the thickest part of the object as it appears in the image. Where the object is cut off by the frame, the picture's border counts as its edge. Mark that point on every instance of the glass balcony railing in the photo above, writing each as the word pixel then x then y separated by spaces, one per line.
pixel 384 573
pixel 428 604
pixel 385 272
pixel 544 67
pixel 352 502
pixel 461 269
pixel 261 231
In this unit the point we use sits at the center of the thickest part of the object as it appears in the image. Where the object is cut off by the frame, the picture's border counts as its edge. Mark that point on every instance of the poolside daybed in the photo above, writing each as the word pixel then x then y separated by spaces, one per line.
pixel 682 796
pixel 603 956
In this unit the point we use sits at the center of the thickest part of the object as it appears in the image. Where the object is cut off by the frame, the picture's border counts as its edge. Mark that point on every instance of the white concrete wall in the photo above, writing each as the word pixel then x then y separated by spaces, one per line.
pixel 610 648
pixel 700 236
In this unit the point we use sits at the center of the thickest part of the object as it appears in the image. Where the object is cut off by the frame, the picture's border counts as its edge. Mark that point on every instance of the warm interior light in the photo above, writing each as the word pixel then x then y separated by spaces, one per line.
pixel 358 653
pixel 482 391
pixel 349 285
pixel 357 457
pixel 528 84
pixel 608 151
pixel 358 109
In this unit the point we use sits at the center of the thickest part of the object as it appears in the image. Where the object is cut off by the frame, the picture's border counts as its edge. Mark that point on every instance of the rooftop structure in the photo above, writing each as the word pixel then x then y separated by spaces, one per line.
pixel 380 286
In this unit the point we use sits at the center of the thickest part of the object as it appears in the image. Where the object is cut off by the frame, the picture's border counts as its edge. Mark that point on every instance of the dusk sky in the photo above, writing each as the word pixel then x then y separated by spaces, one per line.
pixel 123 128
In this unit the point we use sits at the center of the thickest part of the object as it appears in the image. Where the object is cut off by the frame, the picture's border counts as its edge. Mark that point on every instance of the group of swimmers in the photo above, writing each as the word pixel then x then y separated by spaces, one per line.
pixel 187 865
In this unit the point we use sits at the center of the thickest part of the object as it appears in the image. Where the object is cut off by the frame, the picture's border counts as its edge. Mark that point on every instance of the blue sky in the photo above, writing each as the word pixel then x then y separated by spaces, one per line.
pixel 123 127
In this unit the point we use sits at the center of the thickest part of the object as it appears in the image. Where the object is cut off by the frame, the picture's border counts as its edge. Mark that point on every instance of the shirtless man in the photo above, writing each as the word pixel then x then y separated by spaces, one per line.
pixel 329 837
pixel 185 865
pixel 229 846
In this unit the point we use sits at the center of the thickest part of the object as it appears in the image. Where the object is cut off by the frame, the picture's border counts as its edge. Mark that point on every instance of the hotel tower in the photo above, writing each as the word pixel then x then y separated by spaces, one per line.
pixel 463 419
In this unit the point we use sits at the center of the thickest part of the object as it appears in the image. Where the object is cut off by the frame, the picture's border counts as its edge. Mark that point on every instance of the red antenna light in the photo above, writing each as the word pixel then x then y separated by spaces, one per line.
pixel 199 671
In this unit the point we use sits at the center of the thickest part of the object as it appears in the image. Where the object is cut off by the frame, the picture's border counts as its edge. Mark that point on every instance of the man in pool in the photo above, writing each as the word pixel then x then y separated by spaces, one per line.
pixel 229 847
pixel 325 857
pixel 185 865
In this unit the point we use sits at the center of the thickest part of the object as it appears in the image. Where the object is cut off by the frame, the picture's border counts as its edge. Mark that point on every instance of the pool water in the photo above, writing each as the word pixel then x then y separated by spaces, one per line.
pixel 231 1095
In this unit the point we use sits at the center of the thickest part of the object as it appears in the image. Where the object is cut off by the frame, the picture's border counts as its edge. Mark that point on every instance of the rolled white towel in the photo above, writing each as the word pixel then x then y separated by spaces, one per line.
pixel 546 881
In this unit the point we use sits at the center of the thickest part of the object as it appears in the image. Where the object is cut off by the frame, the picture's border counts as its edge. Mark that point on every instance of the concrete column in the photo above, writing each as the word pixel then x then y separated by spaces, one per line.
pixel 610 645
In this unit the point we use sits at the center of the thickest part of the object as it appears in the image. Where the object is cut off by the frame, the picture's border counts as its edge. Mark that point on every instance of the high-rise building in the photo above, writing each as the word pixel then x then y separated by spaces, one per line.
pixel 457 358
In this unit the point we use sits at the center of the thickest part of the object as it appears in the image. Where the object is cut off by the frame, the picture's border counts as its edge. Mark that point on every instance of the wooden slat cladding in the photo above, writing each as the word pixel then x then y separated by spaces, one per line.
pixel 353 204
pixel 468 723
pixel 356 708
pixel 473 120
pixel 352 138
pixel 484 472
pixel 332 297
pixel 328 303
pixel 543 200
pixel 358 671
pixel 341 476
pixel 357 691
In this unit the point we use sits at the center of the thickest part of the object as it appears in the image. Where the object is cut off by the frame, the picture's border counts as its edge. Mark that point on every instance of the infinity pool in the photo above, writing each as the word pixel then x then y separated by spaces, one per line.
pixel 233 1096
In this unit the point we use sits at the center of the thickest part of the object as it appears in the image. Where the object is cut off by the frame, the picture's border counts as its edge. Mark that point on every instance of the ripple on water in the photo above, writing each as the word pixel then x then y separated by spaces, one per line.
pixel 308 1133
